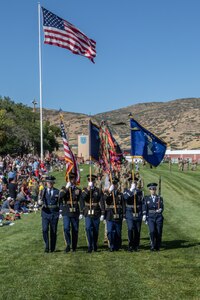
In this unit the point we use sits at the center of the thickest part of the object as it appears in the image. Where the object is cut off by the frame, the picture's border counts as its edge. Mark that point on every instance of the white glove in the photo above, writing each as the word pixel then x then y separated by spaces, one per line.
pixel 144 218
pixel 68 184
pixel 132 187
pixel 90 184
pixel 124 219
pixel 60 216
pixel 80 217
pixel 111 188
pixel 159 210
pixel 101 218
pixel 40 202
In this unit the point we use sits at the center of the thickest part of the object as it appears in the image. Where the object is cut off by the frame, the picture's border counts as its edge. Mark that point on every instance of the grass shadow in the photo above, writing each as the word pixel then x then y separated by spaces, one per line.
pixel 176 244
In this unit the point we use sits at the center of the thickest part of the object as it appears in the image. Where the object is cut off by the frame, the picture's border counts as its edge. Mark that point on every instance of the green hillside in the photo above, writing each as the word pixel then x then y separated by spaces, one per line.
pixel 173 273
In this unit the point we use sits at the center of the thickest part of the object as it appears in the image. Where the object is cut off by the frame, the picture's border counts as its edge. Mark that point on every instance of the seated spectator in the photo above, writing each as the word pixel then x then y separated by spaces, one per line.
pixel 17 206
pixel 12 188
pixel 7 206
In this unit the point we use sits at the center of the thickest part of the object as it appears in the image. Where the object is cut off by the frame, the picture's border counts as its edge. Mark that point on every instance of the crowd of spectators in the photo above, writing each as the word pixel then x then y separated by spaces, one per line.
pixel 22 180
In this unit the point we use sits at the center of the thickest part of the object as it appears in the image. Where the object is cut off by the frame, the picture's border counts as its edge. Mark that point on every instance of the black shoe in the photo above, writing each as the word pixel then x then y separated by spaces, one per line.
pixel 46 250
pixel 130 249
pixel 73 250
pixel 111 249
pixel 136 249
pixel 89 250
pixel 152 249
pixel 52 251
pixel 67 249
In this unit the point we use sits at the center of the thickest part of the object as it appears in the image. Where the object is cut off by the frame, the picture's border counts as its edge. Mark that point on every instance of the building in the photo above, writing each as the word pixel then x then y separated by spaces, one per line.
pixel 83 146
pixel 191 155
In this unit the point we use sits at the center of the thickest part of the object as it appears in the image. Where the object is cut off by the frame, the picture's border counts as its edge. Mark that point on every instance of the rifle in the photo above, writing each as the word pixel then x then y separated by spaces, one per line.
pixel 159 191
pixel 159 186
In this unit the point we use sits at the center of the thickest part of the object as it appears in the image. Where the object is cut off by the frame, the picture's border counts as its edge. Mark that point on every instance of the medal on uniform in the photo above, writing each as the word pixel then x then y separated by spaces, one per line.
pixel 91 212
pixel 116 216
pixel 72 209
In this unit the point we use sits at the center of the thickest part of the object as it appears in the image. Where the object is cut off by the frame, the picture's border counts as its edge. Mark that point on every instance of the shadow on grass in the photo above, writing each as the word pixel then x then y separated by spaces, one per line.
pixel 175 244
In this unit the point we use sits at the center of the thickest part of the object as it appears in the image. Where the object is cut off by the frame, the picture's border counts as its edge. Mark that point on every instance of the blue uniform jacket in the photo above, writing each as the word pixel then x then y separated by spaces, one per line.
pixel 65 201
pixel 95 201
pixel 128 197
pixel 150 207
pixel 50 201
pixel 108 204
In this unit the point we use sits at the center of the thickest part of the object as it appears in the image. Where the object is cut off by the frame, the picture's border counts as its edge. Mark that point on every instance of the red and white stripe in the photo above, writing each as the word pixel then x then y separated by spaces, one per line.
pixel 72 39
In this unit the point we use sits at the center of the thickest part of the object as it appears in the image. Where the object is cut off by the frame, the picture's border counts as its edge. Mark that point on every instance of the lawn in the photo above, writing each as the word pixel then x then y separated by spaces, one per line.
pixel 173 273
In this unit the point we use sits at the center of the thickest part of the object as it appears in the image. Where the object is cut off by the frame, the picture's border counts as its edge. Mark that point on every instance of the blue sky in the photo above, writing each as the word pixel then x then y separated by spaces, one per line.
pixel 147 50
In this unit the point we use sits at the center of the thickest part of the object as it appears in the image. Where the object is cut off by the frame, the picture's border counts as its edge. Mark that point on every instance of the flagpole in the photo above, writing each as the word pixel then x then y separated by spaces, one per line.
pixel 40 83
pixel 133 176
pixel 90 159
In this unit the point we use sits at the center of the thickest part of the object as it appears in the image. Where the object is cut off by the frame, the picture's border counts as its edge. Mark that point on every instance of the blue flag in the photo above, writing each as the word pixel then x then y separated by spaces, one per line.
pixel 94 141
pixel 146 145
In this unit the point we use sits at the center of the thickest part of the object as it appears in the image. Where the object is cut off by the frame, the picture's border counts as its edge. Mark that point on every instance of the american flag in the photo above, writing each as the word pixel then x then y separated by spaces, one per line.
pixel 63 34
pixel 71 163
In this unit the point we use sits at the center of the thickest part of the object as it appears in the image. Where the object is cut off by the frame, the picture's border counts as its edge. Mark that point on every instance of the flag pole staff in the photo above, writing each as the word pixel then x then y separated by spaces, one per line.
pixel 40 83
pixel 111 179
pixel 133 180
pixel 133 176
pixel 70 193
pixel 90 161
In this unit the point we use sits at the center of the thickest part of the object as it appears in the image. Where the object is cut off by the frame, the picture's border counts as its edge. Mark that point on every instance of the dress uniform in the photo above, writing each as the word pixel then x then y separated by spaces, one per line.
pixel 50 214
pixel 91 207
pixel 114 211
pixel 69 199
pixel 152 214
pixel 133 199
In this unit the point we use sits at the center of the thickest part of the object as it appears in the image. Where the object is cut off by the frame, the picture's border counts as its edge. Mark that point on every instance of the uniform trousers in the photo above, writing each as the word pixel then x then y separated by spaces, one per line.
pixel 134 229
pixel 92 231
pixel 49 220
pixel 114 229
pixel 155 223
pixel 72 222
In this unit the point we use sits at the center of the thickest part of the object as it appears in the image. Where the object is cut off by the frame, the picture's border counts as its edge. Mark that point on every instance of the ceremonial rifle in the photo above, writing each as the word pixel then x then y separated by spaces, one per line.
pixel 159 191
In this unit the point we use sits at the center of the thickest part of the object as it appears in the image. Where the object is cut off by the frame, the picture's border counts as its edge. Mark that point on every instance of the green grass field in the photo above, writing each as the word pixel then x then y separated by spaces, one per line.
pixel 173 273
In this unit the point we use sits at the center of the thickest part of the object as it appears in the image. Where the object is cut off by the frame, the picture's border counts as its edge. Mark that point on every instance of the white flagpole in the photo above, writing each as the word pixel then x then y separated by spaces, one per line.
pixel 40 78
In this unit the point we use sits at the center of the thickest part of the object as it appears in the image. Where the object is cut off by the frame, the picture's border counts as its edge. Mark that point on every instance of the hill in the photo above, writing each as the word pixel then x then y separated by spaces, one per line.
pixel 177 122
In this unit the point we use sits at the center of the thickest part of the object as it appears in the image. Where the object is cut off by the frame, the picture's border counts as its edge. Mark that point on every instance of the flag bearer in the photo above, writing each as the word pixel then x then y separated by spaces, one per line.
pixel 113 203
pixel 133 198
pixel 69 199
pixel 91 207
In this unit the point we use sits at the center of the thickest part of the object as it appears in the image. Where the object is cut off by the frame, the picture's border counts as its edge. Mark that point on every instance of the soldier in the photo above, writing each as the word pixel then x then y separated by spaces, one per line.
pixel 152 215
pixel 112 200
pixel 69 199
pixel 91 207
pixel 50 214
pixel 124 182
pixel 139 179
pixel 99 182
pixel 133 198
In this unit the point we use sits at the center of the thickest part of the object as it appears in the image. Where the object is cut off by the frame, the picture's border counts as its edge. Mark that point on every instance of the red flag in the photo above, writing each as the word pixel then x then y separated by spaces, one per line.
pixel 63 34
pixel 111 153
